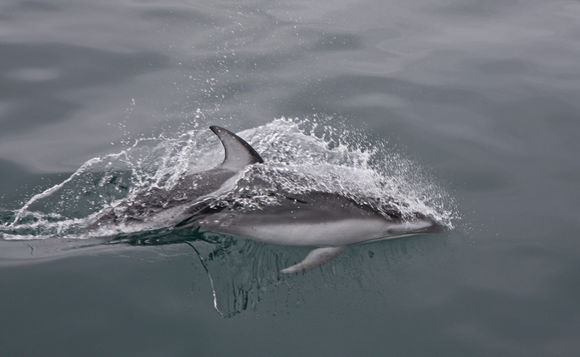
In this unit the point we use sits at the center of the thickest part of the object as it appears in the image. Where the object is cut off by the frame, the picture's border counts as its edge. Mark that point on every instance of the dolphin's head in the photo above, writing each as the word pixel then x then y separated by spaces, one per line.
pixel 419 224
pixel 429 224
pixel 432 226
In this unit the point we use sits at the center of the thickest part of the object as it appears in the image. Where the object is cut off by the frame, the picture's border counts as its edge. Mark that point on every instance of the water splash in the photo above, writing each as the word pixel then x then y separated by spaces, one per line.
pixel 300 155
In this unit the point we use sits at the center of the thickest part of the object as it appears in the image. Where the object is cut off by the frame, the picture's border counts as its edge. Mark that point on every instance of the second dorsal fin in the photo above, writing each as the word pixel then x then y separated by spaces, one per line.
pixel 238 153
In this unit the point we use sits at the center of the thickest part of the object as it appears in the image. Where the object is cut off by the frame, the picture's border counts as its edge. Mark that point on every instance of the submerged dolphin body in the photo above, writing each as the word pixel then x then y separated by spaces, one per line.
pixel 329 222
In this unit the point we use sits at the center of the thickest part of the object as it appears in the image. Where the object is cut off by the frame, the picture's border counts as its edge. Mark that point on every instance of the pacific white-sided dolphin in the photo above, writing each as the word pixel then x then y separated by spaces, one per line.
pixel 328 222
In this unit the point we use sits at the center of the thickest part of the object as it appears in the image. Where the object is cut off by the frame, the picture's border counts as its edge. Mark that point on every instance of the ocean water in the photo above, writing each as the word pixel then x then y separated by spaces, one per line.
pixel 466 111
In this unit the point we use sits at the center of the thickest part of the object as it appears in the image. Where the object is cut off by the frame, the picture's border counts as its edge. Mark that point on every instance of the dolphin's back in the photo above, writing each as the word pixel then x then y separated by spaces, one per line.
pixel 189 190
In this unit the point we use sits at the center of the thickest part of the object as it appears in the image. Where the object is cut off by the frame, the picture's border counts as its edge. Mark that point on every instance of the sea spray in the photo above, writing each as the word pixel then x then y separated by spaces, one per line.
pixel 301 154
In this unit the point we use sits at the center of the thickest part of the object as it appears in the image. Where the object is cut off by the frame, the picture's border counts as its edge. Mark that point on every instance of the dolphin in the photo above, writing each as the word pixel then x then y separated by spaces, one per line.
pixel 195 191
pixel 327 222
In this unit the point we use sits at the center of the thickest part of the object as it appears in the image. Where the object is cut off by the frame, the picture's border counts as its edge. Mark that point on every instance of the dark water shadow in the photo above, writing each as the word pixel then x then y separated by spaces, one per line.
pixel 245 275
pixel 241 274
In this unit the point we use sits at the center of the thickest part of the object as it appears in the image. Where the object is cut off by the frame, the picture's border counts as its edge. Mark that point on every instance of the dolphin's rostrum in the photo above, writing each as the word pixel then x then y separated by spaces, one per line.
pixel 328 222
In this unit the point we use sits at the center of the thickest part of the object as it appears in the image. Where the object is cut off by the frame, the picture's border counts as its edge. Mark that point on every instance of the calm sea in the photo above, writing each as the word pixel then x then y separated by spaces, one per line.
pixel 482 96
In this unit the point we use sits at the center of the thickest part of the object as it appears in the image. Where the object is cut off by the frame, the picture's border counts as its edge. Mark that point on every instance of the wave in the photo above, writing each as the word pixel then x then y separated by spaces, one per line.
pixel 300 155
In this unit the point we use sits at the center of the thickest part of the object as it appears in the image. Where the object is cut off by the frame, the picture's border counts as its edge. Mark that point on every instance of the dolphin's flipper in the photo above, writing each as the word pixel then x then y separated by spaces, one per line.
pixel 238 153
pixel 315 258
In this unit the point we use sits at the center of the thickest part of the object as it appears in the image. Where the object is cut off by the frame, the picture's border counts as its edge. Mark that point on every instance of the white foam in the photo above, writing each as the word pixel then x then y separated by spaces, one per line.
pixel 299 154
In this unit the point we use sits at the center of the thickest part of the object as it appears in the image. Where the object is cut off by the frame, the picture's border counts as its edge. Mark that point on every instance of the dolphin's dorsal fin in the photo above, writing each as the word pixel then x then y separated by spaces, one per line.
pixel 238 153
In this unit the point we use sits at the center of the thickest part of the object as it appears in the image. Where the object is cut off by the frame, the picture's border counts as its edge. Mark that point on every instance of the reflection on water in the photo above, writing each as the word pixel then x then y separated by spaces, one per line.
pixel 240 272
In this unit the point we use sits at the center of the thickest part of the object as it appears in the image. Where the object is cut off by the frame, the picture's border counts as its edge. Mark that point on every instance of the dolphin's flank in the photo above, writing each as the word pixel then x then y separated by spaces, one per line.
pixel 328 222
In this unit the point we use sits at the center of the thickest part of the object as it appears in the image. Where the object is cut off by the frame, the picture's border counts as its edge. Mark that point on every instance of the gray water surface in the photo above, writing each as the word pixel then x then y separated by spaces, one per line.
pixel 483 94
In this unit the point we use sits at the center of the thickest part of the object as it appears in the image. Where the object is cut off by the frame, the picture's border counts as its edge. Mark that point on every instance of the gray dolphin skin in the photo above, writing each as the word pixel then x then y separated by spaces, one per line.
pixel 328 222
pixel 195 191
